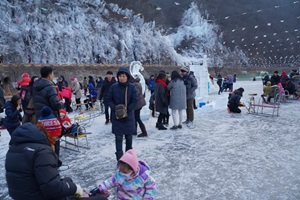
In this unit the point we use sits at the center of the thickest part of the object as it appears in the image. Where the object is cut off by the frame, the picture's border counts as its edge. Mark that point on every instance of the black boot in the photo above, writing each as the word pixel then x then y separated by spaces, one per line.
pixel 144 132
pixel 161 127
pixel 119 154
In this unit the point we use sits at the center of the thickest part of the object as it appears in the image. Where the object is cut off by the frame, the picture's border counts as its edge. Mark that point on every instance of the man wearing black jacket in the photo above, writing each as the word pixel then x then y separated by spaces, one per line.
pixel 108 82
pixel 275 78
pixel 45 93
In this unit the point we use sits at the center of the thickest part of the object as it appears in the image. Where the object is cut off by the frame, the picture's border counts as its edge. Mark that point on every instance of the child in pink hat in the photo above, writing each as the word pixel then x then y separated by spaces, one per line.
pixel 133 180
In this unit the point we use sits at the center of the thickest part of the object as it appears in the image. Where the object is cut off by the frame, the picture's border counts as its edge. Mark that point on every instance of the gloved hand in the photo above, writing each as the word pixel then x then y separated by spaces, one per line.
pixel 79 191
pixel 241 104
pixel 94 191
pixel 97 192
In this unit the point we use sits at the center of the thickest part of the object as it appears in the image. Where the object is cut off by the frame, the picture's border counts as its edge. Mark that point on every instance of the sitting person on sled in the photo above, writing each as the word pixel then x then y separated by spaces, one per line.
pixel 67 126
pixel 92 97
pixel 234 101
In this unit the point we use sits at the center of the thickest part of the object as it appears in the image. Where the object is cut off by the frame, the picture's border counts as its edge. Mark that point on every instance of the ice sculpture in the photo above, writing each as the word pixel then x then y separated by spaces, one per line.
pixel 135 68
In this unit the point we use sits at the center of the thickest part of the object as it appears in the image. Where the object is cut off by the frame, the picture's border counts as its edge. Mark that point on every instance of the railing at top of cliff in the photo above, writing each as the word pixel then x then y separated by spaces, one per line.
pixel 78 65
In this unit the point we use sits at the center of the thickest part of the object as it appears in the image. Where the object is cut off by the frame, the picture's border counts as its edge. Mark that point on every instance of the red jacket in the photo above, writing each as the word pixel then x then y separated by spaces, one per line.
pixel 59 94
pixel 67 93
pixel 24 81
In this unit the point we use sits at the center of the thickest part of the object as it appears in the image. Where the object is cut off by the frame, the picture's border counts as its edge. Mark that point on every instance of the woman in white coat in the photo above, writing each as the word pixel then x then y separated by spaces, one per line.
pixel 77 92
pixel 177 98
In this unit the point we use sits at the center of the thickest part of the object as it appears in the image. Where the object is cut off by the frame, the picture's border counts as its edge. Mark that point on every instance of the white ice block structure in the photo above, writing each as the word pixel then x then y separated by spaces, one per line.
pixel 201 73
pixel 135 68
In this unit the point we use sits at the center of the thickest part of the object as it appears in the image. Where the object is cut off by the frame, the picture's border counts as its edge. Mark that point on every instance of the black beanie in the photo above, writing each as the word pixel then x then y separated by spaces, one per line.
pixel 241 89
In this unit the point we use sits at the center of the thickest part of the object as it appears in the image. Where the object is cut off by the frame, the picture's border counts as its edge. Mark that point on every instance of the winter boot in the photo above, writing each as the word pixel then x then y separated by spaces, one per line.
pixel 157 125
pixel 119 154
pixel 144 132
pixel 161 127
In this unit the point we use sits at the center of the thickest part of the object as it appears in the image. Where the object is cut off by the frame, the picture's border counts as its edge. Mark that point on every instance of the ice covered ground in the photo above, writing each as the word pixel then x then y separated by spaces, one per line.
pixel 227 156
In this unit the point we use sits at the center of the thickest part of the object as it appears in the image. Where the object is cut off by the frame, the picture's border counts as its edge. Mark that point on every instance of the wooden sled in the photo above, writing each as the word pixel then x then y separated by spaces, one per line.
pixel 75 139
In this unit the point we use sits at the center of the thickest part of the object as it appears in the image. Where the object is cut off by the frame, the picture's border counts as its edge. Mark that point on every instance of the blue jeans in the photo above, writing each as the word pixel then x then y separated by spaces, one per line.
pixel 119 143
pixel 106 112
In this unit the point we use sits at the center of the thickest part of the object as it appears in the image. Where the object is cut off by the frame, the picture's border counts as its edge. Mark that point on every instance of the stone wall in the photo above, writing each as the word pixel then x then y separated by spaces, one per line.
pixel 14 71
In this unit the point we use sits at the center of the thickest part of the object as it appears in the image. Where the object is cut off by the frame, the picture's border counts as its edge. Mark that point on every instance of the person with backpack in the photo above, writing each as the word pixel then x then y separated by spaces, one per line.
pixel 29 115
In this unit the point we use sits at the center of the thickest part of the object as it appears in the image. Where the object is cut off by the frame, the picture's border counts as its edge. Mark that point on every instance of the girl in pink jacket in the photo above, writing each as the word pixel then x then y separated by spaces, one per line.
pixel 133 180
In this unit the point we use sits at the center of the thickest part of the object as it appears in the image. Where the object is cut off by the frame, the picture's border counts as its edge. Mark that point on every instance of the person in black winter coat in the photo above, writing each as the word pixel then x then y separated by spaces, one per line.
pixel 290 86
pixel 13 117
pixel 161 100
pixel 234 101
pixel 45 93
pixel 32 168
pixel 61 82
pixel 137 110
pixel 275 78
pixel 108 82
pixel 116 96
pixel 219 82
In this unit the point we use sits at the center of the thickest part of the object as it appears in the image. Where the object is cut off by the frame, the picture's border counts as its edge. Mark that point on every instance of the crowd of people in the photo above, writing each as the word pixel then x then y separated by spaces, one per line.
pixel 277 87
pixel 40 107
pixel 226 83
pixel 45 106
pixel 32 161
pixel 286 85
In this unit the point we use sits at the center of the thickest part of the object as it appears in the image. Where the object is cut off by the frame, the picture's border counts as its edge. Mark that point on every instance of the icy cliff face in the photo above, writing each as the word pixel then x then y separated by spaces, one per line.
pixel 91 31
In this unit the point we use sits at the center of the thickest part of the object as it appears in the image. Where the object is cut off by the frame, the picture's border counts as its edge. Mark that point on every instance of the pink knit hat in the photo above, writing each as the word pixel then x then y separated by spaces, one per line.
pixel 131 159
pixel 73 78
